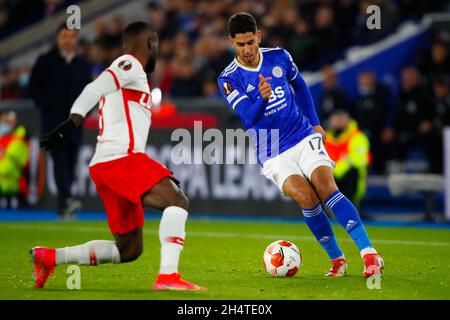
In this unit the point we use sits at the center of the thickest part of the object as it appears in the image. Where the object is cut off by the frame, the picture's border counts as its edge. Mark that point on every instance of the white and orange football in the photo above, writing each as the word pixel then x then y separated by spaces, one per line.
pixel 282 259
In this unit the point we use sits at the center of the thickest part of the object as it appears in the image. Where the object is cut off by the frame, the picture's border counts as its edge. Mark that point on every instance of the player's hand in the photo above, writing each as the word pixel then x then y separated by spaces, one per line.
pixel 319 129
pixel 51 140
pixel 264 87
pixel 57 137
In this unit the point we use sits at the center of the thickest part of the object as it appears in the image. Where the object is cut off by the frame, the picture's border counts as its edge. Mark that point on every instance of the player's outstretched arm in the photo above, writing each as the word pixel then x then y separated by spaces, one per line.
pixel 85 102
pixel 302 94
pixel 306 103
pixel 91 94
pixel 56 138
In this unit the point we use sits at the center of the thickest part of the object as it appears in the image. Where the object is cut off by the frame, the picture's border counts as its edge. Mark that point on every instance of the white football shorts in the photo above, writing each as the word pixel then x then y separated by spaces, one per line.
pixel 302 159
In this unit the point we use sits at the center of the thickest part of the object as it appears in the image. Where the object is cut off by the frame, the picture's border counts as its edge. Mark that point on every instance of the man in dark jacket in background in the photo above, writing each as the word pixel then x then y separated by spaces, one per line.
pixel 372 113
pixel 57 78
pixel 333 98
pixel 413 121
pixel 434 146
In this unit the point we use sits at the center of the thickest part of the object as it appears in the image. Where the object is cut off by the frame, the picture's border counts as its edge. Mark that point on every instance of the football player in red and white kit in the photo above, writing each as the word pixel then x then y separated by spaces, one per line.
pixel 125 177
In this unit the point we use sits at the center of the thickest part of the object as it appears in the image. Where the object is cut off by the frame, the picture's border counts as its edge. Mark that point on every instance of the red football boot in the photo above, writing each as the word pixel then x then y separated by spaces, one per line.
pixel 44 264
pixel 338 268
pixel 173 281
pixel 373 264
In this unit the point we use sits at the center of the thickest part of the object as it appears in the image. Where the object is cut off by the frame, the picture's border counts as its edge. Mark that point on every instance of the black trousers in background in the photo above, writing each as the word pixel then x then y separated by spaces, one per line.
pixel 348 184
pixel 64 163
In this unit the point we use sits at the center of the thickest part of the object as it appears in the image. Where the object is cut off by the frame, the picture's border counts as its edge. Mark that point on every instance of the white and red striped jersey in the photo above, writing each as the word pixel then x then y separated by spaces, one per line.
pixel 124 109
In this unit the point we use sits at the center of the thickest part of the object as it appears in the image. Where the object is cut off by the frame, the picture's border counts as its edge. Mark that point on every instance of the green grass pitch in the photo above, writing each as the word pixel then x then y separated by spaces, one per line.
pixel 226 257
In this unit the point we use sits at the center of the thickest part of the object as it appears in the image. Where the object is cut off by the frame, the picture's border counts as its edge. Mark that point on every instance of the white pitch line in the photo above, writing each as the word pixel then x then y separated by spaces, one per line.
pixel 224 234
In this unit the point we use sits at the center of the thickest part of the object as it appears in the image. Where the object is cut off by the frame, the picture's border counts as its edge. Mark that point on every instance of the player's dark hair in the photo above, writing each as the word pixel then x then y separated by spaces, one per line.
pixel 134 29
pixel 241 22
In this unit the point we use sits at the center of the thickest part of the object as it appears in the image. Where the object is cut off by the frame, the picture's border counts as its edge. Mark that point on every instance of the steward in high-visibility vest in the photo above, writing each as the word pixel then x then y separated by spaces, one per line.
pixel 349 147
pixel 14 156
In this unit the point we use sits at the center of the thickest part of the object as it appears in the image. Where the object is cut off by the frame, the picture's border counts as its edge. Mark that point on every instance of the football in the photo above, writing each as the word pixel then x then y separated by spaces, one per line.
pixel 282 259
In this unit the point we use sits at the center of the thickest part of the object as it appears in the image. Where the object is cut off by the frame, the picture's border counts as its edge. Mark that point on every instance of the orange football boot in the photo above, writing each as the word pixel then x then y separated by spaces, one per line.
pixel 173 281
pixel 373 264
pixel 44 264
pixel 338 268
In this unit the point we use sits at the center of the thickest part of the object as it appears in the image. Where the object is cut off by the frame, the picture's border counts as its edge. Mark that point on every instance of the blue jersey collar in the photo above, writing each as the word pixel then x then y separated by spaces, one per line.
pixel 258 67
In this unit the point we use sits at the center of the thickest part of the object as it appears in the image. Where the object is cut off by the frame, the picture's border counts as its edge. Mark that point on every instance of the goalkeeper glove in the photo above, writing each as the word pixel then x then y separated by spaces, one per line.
pixel 56 138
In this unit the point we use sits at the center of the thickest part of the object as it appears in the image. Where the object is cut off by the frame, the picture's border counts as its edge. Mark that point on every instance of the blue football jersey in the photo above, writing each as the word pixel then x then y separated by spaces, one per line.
pixel 239 86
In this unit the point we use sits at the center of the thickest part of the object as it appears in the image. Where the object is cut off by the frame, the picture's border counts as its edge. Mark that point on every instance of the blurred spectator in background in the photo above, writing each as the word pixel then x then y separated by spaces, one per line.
pixel 52 6
pixel 360 32
pixel 436 62
pixel 107 45
pixel 325 29
pixel 22 12
pixel 333 98
pixel 440 120
pixel 417 8
pixel 346 14
pixel 14 157
pixel 187 80
pixel 163 75
pixel 5 9
pixel 163 21
pixel 111 48
pixel 9 84
pixel 441 95
pixel 301 43
pixel 372 113
pixel 412 124
pixel 57 78
pixel 349 148
pixel 14 82
pixel 314 32
pixel 211 53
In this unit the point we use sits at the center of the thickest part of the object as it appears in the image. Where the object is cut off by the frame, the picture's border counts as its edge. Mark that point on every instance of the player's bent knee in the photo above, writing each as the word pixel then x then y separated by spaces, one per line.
pixel 137 253
pixel 326 189
pixel 323 181
pixel 181 201
pixel 131 254
pixel 307 199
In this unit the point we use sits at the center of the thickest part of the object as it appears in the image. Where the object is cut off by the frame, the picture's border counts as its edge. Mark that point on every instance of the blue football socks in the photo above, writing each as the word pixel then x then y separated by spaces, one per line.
pixel 320 226
pixel 348 217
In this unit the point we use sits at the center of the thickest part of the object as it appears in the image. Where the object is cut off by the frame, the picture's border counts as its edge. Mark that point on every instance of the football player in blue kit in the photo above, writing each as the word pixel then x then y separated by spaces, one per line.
pixel 267 92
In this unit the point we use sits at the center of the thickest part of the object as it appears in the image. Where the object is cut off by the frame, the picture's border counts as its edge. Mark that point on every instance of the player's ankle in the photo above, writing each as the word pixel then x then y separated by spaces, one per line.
pixel 338 258
pixel 369 250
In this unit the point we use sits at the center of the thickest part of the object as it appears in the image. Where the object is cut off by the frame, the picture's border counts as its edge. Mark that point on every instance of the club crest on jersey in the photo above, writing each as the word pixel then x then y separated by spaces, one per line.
pixel 277 72
pixel 227 88
pixel 125 65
